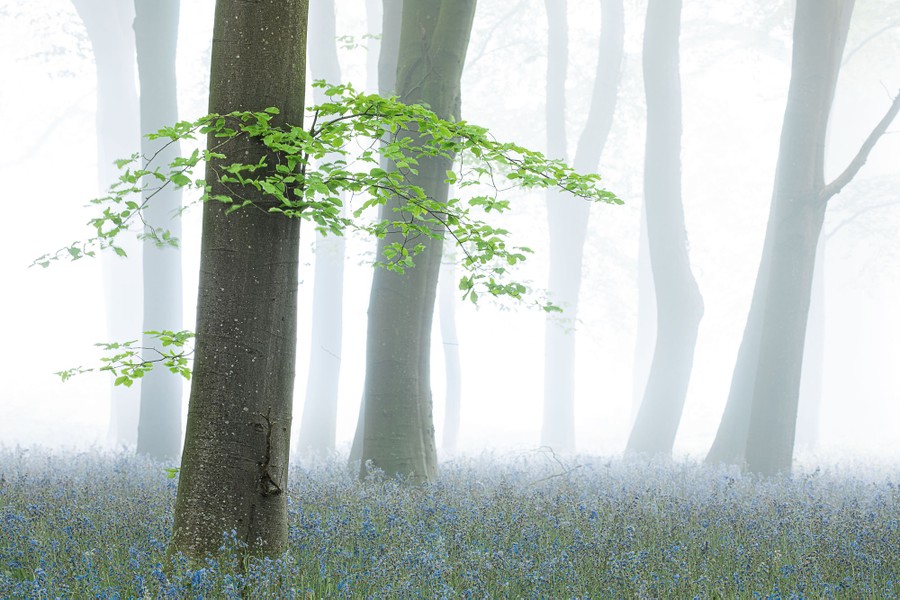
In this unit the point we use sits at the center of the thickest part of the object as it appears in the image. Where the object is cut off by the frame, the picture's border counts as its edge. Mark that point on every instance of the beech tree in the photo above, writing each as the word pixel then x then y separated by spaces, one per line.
pixel 108 26
pixel 568 220
pixel 759 422
pixel 264 175
pixel 235 462
pixel 156 35
pixel 316 434
pixel 679 305
pixel 399 427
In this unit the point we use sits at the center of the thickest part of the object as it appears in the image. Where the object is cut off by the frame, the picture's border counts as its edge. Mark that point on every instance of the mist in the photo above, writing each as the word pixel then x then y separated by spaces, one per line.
pixel 631 331
pixel 735 67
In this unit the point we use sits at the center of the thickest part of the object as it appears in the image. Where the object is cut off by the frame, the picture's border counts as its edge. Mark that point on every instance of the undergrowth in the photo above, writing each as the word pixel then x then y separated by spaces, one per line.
pixel 97 525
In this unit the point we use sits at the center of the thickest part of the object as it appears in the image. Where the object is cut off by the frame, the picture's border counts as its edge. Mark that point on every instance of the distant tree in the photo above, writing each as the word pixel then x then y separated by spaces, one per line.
pixel 759 422
pixel 679 305
pixel 391 15
pixel 108 24
pixel 399 426
pixel 448 294
pixel 156 38
pixel 316 434
pixel 568 220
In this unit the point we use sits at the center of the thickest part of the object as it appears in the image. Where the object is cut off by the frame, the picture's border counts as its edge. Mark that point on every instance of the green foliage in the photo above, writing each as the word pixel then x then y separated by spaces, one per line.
pixel 346 140
pixel 127 361
pixel 306 172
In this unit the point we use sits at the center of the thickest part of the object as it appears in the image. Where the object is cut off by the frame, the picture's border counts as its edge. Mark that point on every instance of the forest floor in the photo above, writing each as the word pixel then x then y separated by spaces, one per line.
pixel 527 526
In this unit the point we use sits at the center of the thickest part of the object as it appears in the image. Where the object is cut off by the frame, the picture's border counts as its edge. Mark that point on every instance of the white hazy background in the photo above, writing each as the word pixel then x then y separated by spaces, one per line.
pixel 733 101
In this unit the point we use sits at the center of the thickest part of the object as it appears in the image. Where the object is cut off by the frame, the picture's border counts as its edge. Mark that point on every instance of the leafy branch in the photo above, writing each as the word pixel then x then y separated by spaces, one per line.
pixel 305 172
pixel 128 361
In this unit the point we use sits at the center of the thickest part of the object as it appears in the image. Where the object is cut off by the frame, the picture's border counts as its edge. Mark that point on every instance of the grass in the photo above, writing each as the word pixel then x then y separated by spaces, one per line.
pixel 97 526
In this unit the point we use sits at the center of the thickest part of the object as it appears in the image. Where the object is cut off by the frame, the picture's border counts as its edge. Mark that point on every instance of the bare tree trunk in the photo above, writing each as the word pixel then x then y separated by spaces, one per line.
pixel 811 377
pixel 679 306
pixel 156 38
pixel 318 425
pixel 792 234
pixel 762 407
pixel 568 218
pixel 108 26
pixel 448 294
pixel 391 15
pixel 399 428
pixel 235 463
pixel 646 322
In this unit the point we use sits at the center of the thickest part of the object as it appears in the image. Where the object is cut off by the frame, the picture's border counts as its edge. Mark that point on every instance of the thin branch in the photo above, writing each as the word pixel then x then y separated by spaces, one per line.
pixel 859 160
pixel 858 214
pixel 872 36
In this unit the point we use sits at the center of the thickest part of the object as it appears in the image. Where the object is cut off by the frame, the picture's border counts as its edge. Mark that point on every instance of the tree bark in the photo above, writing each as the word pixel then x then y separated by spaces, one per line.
pixel 679 305
pixel 567 217
pixel 108 26
pixel 399 428
pixel 235 463
pixel 156 37
pixel 318 425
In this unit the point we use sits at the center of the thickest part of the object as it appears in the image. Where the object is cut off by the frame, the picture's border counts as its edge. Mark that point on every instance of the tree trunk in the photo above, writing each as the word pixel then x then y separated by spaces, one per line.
pixel 792 234
pixel 235 463
pixel 399 429
pixel 156 37
pixel 108 26
pixel 389 47
pixel 812 375
pixel 679 306
pixel 448 294
pixel 319 422
pixel 568 217
pixel 646 322
pixel 761 412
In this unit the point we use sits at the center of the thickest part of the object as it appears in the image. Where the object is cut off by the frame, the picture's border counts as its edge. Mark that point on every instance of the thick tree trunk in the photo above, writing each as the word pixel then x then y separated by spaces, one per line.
pixel 108 26
pixel 318 425
pixel 679 306
pixel 235 463
pixel 399 428
pixel 156 37
pixel 568 217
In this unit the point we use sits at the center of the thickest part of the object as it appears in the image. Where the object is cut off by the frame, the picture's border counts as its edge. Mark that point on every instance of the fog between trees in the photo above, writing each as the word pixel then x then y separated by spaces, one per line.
pixel 735 68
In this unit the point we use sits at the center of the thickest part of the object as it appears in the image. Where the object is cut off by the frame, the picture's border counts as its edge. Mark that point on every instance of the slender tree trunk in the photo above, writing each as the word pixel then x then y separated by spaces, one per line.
pixel 235 463
pixel 567 217
pixel 646 322
pixel 108 26
pixel 811 377
pixel 374 12
pixel 399 428
pixel 318 425
pixel 679 306
pixel 156 38
pixel 448 294
pixel 391 16
pixel 762 408
pixel 795 223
